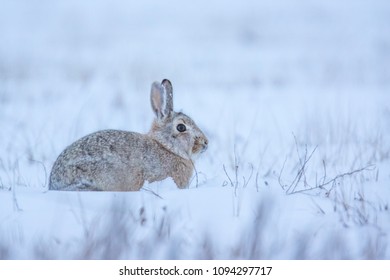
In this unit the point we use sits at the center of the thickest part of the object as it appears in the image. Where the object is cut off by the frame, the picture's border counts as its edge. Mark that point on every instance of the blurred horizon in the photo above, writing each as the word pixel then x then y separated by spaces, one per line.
pixel 256 44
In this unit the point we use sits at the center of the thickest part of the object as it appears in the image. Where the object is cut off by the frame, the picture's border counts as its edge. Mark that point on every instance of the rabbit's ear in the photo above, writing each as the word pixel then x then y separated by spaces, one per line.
pixel 167 86
pixel 161 97
pixel 158 99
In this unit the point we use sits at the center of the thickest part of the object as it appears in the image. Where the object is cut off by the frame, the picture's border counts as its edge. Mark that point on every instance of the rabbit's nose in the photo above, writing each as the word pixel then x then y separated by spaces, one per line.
pixel 202 143
pixel 205 144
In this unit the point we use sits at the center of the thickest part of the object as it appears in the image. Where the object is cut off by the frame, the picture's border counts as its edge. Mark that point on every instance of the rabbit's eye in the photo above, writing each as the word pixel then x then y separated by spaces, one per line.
pixel 181 127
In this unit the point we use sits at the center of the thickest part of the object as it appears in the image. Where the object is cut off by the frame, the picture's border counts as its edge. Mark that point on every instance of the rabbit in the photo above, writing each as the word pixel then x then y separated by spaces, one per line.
pixel 115 160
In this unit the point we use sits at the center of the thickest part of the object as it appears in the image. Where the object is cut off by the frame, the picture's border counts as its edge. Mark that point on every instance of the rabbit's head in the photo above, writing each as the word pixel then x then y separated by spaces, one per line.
pixel 176 132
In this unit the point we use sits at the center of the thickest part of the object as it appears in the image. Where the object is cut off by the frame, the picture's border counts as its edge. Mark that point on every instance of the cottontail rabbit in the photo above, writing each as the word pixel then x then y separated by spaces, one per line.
pixel 114 160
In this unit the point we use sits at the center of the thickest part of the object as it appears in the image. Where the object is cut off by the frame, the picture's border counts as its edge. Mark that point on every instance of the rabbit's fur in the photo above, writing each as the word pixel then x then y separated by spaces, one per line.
pixel 114 160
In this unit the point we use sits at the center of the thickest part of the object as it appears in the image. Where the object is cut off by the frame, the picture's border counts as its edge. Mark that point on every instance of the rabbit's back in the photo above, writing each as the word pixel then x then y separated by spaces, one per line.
pixel 109 160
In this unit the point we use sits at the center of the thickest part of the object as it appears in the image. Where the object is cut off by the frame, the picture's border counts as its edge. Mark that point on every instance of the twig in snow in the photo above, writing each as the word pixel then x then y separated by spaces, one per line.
pixel 334 179
pixel 231 182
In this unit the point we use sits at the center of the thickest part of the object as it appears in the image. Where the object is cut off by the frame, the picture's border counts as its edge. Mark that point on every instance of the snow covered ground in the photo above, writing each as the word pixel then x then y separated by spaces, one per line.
pixel 294 97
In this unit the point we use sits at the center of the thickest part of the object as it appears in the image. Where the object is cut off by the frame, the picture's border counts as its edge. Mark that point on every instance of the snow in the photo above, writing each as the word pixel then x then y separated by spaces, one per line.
pixel 268 82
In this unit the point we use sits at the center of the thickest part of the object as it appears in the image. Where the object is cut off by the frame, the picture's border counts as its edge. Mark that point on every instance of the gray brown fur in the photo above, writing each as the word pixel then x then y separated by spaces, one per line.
pixel 114 160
